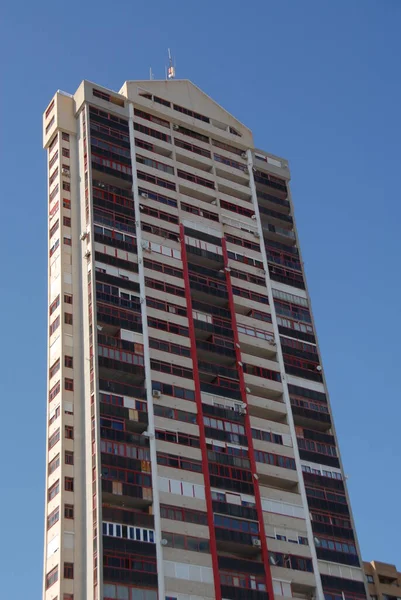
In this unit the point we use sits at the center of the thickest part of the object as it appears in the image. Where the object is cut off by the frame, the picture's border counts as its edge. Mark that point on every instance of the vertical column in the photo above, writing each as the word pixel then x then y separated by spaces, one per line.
pixel 202 437
pixel 148 376
pixel 258 500
pixel 286 397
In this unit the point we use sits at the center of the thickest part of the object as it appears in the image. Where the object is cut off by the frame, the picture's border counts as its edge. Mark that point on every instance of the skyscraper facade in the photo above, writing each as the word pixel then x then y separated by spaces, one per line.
pixel 191 452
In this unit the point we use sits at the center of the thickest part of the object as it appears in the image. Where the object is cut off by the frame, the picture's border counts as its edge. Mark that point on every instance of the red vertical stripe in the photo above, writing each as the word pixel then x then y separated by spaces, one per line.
pixel 202 437
pixel 258 500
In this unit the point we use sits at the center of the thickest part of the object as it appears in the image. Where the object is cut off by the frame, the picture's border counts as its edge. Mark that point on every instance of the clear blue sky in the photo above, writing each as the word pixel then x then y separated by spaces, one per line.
pixel 319 82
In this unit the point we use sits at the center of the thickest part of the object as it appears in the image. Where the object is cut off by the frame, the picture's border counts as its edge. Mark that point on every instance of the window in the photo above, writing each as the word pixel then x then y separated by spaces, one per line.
pixel 195 179
pixel 68 570
pixel 370 579
pixel 53 143
pixel 65 137
pixel 54 438
pixel 69 458
pixel 69 484
pixel 50 125
pixel 54 305
pixel 51 577
pixel 54 464
pixel 53 517
pixel 68 298
pixel 53 491
pixel 68 384
pixel 69 511
pixel 68 362
pixel 191 113
pixel 183 514
pixel 66 152
pixel 69 432
pixel 55 325
pixel 67 221
pixel 66 203
pixel 54 391
pixel 68 318
pixel 66 186
pixel 53 159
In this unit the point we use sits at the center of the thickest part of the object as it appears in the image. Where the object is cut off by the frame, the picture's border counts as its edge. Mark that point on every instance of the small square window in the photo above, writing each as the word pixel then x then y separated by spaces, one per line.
pixel 69 511
pixel 67 221
pixel 68 318
pixel 68 298
pixel 68 362
pixel 69 484
pixel 68 571
pixel 69 432
pixel 69 458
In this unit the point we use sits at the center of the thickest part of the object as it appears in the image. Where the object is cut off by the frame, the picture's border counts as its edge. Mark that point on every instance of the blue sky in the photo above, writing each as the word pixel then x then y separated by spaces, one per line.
pixel 319 83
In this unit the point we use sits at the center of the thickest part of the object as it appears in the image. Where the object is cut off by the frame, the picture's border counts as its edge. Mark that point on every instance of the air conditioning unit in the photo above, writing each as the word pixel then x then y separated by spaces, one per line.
pixel 156 393
pixel 243 154
pixel 101 185
pixel 176 127
pixel 256 234
pixel 253 217
pixel 143 194
pixel 84 235
pixel 241 411
pixel 164 542
pixel 247 389
pixel 254 169
pixel 256 543
pixel 87 254
pixel 66 172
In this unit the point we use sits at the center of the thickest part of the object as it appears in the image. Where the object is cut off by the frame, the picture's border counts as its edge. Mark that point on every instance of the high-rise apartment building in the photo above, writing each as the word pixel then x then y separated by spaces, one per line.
pixel 191 449
pixel 384 581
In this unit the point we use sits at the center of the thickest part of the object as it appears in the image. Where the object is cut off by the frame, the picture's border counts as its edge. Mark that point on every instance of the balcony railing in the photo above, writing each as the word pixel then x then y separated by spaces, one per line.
pixel 337 557
pixel 237 593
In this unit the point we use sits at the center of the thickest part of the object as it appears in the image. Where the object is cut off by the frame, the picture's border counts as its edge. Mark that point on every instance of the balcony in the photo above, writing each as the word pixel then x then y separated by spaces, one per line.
pixel 277 477
pixel 121 371
pixel 136 420
pixel 218 390
pixel 266 198
pixel 237 542
pixel 264 388
pixel 279 234
pixel 236 593
pixel 265 180
pixel 337 557
pixel 208 351
pixel 235 510
pixel 328 505
pixel 310 418
pixel 267 408
pixel 347 585
pixel 317 457
pixel 286 276
pixel 221 328
pixel 267 214
pixel 127 517
pixel 332 531
pixel 125 494
pixel 205 258
pixel 256 345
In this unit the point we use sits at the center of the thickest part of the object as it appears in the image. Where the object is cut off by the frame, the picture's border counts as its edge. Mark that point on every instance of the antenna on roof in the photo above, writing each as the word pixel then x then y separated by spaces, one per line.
pixel 171 67
pixel 151 76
